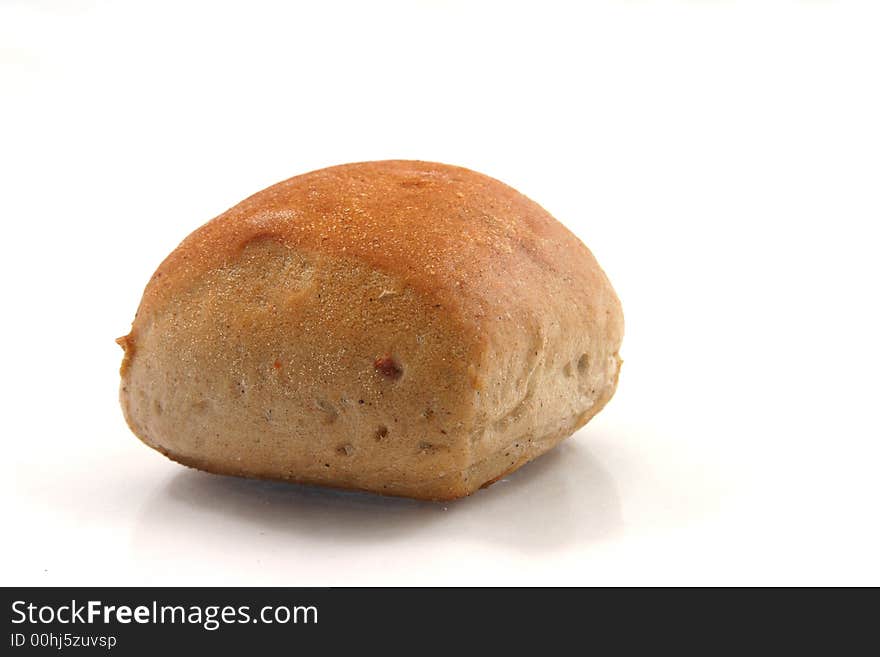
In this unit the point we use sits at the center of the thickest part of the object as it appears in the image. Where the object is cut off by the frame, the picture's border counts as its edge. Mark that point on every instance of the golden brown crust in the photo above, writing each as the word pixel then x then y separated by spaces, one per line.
pixel 455 235
pixel 465 313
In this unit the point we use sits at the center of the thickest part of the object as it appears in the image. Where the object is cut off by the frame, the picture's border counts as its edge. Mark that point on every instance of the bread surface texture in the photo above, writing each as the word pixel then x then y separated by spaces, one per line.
pixel 401 327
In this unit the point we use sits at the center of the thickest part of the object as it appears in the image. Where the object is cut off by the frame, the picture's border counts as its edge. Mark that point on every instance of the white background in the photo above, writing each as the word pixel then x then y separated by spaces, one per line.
pixel 721 159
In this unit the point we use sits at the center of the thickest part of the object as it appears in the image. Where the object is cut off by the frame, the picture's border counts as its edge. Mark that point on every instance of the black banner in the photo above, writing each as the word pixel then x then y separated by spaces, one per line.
pixel 147 620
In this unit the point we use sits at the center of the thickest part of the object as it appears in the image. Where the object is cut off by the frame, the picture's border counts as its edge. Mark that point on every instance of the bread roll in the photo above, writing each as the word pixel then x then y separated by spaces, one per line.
pixel 400 327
